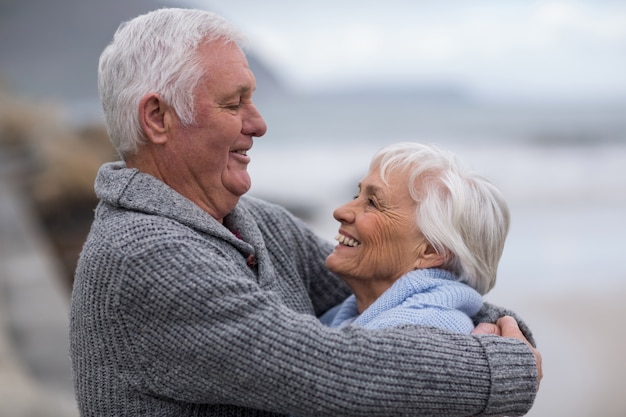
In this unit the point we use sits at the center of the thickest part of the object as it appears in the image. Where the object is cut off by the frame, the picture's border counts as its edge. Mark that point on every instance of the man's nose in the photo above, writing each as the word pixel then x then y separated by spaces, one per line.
pixel 254 124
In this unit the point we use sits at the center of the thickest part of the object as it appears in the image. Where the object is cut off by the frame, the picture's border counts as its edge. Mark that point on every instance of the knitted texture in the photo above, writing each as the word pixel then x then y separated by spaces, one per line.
pixel 168 319
pixel 427 297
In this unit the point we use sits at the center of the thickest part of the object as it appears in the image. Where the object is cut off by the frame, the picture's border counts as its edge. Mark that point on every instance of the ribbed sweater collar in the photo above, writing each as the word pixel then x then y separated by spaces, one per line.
pixel 132 189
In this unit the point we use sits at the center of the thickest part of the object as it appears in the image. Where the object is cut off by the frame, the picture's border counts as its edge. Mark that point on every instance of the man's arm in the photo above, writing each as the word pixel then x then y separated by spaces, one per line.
pixel 223 340
pixel 507 327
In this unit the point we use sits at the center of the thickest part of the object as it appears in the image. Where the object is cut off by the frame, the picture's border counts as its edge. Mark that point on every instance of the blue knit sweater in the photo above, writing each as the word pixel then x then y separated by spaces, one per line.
pixel 429 297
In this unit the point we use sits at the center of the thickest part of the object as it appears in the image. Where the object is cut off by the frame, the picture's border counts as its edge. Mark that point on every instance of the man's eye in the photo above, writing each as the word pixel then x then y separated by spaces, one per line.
pixel 232 105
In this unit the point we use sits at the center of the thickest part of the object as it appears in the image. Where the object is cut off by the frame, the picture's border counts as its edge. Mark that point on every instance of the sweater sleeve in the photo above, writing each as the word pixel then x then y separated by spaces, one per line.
pixel 490 313
pixel 224 340
pixel 324 288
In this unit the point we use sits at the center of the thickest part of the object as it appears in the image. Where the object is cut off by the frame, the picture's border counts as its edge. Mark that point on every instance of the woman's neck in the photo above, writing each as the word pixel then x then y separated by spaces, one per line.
pixel 366 292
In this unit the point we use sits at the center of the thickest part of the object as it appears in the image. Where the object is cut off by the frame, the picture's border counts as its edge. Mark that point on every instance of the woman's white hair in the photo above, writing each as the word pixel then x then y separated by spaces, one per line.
pixel 460 213
pixel 155 53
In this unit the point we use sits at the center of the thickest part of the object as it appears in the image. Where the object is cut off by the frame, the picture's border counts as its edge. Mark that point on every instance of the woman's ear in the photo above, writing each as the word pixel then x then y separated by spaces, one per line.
pixel 427 257
pixel 154 117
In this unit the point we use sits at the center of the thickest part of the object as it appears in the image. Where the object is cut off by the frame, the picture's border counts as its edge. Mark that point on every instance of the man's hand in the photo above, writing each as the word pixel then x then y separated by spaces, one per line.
pixel 507 327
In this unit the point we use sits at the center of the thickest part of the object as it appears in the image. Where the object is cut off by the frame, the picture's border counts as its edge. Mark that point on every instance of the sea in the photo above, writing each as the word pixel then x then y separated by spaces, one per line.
pixel 559 165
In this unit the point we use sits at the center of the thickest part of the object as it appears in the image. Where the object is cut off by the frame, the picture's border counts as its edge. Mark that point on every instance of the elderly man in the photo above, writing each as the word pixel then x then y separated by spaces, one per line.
pixel 191 299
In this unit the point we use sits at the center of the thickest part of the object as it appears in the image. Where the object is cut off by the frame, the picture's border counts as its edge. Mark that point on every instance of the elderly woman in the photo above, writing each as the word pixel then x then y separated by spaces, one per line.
pixel 420 242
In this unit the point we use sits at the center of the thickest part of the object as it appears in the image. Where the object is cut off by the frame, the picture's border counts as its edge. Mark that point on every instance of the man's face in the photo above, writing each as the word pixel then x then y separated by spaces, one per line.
pixel 208 161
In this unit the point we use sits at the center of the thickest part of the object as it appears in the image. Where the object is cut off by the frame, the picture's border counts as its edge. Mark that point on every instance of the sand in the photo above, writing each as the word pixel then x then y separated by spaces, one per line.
pixel 582 342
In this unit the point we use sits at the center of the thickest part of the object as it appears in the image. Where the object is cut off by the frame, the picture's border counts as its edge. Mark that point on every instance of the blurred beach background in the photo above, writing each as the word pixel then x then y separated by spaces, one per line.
pixel 532 94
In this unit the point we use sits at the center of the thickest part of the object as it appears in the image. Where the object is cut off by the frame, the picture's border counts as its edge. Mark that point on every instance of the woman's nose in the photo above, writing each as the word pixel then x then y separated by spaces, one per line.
pixel 344 213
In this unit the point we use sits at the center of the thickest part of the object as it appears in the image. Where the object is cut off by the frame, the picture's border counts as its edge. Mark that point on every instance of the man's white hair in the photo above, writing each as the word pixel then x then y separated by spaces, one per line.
pixel 155 53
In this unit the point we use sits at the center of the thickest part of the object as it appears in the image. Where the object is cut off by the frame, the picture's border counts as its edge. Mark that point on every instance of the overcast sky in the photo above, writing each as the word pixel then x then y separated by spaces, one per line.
pixel 522 48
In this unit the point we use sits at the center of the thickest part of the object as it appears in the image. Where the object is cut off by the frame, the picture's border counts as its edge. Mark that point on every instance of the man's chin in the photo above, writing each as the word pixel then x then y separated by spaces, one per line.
pixel 239 185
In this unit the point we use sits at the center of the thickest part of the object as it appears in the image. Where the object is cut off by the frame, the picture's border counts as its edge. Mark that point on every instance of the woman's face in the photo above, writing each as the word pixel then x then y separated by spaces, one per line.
pixel 378 238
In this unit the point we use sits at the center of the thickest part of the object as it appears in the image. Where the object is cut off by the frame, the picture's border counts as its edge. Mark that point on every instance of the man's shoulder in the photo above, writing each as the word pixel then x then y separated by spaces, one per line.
pixel 250 201
pixel 264 210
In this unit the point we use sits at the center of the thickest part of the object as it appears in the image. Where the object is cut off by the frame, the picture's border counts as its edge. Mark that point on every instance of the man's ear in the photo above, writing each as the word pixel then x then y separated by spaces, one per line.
pixel 427 257
pixel 154 117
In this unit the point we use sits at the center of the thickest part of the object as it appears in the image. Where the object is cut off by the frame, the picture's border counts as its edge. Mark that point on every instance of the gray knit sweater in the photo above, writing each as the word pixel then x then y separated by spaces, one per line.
pixel 170 317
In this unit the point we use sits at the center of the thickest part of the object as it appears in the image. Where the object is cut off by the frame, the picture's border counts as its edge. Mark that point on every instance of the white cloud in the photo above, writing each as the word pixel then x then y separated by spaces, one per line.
pixel 513 47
